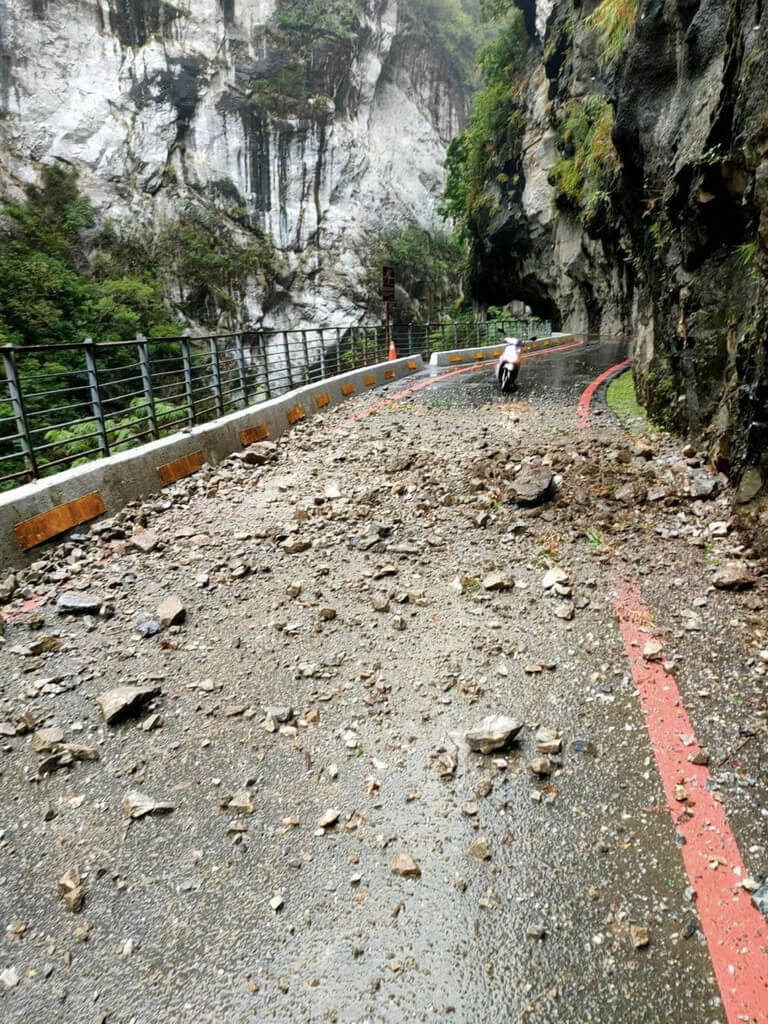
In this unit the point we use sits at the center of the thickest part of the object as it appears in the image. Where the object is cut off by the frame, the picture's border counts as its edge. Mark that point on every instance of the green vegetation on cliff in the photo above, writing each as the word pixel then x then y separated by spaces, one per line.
pixel 613 20
pixel 335 20
pixel 204 269
pixel 319 39
pixel 450 26
pixel 478 159
pixel 587 173
pixel 132 282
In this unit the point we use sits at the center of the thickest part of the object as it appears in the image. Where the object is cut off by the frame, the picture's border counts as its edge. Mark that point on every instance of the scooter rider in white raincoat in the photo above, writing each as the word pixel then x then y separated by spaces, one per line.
pixel 509 365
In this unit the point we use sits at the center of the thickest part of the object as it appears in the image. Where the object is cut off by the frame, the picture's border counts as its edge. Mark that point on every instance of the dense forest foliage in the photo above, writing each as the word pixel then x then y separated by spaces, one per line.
pixel 63 280
pixel 428 269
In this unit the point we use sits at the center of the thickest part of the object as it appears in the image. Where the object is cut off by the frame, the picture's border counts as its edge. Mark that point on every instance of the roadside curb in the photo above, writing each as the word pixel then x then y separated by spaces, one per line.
pixel 47 508
pixel 457 356
pixel 585 402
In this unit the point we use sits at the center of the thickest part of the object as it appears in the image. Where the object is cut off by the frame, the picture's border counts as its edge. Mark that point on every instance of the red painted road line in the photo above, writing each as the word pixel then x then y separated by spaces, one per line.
pixel 553 351
pixel 585 402
pixel 28 606
pixel 451 373
pixel 382 403
pixel 736 932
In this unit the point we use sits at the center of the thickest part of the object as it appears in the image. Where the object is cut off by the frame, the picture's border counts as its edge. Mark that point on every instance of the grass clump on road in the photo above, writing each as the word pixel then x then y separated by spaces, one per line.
pixel 622 400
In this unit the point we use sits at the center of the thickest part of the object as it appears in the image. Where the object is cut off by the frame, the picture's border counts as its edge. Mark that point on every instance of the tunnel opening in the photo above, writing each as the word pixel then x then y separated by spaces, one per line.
pixel 499 289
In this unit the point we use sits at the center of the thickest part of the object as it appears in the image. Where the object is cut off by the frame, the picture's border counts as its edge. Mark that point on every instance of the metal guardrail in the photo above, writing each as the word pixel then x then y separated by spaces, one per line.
pixel 63 405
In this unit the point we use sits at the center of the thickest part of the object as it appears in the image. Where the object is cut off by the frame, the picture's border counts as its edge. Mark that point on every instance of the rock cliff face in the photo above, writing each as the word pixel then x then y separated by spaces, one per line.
pixel 318 133
pixel 641 205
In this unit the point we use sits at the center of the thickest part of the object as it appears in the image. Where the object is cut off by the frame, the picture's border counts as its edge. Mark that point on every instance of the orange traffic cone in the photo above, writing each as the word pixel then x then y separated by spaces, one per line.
pixel 392 350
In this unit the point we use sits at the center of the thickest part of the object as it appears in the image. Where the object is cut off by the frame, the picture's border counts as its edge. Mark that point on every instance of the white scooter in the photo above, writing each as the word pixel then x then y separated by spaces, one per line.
pixel 508 366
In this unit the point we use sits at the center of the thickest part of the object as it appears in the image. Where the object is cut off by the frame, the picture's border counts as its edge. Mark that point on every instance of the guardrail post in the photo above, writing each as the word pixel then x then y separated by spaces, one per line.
pixel 186 355
pixel 19 412
pixel 338 350
pixel 216 374
pixel 265 349
pixel 287 350
pixel 146 380
pixel 241 371
pixel 93 386
pixel 305 346
pixel 322 353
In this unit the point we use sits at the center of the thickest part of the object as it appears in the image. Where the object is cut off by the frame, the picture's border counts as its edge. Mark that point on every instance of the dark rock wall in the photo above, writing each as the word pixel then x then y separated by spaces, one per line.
pixel 692 130
pixel 677 254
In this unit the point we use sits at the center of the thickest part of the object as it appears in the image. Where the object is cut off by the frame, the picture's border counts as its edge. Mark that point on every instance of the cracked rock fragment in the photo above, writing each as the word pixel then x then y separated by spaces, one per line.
pixel 171 612
pixel 405 866
pixel 733 576
pixel 78 604
pixel 493 733
pixel 71 890
pixel 139 805
pixel 124 700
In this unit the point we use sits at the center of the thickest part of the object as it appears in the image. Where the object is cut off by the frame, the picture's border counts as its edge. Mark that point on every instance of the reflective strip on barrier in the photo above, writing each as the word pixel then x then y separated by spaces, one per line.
pixel 179 468
pixel 295 414
pixel 253 434
pixel 322 400
pixel 58 520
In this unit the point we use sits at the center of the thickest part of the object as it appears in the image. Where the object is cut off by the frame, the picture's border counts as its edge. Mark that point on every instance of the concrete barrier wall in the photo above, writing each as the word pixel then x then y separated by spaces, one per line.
pixel 36 512
pixel 459 356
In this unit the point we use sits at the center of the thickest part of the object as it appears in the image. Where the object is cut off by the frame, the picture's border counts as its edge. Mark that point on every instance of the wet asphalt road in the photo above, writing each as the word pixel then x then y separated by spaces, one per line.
pixel 550 378
pixel 538 932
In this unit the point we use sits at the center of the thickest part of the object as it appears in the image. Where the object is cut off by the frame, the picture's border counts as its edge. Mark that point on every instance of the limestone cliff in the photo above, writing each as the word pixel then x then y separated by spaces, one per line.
pixel 315 128
pixel 640 203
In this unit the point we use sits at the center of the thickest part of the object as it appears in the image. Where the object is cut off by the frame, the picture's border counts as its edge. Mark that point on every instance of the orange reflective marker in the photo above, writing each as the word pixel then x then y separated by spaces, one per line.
pixel 57 520
pixel 179 468
pixel 253 434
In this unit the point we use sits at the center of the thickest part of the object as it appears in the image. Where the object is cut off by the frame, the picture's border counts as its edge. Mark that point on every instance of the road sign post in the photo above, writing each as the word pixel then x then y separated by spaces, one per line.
pixel 388 297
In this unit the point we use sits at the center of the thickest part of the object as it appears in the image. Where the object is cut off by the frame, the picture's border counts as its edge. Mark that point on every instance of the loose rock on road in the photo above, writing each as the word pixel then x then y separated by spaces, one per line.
pixel 344 730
